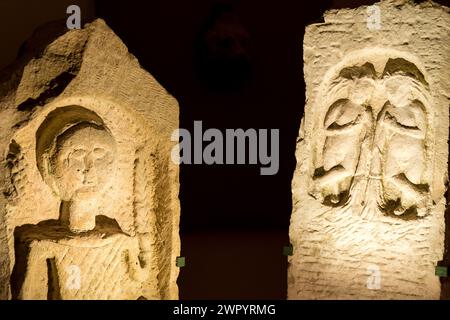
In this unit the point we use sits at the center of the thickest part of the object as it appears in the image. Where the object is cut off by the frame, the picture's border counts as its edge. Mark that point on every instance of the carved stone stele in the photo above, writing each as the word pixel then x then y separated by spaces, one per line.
pixel 89 206
pixel 368 190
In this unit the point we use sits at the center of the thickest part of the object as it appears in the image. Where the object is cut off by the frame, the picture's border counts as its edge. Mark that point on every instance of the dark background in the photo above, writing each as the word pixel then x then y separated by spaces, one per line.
pixel 230 64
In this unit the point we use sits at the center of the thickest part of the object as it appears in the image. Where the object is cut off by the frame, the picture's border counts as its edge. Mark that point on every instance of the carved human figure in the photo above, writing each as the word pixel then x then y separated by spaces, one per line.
pixel 82 163
pixel 82 255
pixel 375 137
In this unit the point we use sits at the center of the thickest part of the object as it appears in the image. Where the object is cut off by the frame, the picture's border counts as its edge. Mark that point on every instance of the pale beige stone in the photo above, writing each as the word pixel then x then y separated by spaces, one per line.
pixel 89 206
pixel 368 190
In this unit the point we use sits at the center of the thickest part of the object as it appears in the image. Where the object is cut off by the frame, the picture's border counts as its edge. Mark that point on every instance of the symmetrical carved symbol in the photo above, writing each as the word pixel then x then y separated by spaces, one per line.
pixel 374 144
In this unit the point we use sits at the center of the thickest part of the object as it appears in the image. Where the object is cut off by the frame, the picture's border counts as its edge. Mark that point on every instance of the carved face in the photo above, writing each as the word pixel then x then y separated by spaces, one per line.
pixel 83 161
pixel 373 150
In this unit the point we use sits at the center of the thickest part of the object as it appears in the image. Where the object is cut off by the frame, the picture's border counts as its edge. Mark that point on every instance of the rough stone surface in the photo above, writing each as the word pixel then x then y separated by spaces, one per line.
pixel 368 190
pixel 89 205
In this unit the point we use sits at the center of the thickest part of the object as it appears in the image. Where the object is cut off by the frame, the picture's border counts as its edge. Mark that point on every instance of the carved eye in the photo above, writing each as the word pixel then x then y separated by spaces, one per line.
pixel 99 153
pixel 78 154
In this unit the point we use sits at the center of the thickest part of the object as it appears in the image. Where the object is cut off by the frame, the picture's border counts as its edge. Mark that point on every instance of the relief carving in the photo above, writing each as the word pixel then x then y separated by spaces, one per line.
pixel 375 140
pixel 89 206
pixel 368 192
pixel 81 163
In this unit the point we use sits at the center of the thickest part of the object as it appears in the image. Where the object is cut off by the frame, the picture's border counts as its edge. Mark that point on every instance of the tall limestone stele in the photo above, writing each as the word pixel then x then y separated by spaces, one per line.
pixel 368 190
pixel 89 206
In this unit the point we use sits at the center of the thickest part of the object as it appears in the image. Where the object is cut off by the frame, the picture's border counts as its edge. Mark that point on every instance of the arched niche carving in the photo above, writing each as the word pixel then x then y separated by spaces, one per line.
pixel 114 241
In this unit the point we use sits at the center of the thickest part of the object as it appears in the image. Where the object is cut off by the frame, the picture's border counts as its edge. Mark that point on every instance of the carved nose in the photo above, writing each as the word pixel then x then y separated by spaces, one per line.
pixel 88 163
